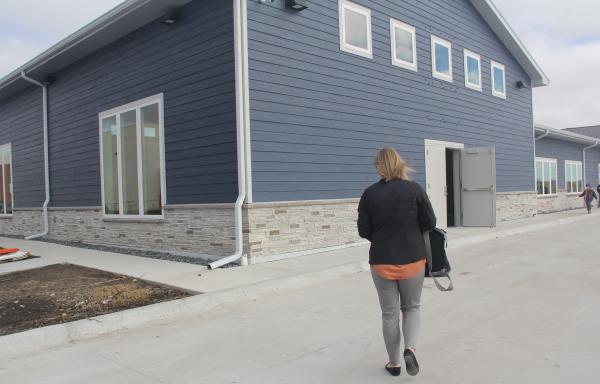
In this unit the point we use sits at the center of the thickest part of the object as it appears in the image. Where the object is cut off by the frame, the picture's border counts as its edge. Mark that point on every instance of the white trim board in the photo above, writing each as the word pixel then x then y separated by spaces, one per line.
pixel 435 40
pixel 396 24
pixel 116 112
pixel 344 5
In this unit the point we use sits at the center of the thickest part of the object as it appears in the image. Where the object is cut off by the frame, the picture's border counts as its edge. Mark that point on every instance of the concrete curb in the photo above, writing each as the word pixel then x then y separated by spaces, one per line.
pixel 60 334
pixel 55 335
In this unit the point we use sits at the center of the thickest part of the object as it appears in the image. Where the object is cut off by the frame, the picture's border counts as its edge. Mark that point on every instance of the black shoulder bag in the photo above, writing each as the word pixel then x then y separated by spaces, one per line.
pixel 437 262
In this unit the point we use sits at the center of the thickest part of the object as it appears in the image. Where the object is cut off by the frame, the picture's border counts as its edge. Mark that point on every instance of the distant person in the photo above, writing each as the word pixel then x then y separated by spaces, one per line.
pixel 588 195
pixel 393 214
pixel 598 190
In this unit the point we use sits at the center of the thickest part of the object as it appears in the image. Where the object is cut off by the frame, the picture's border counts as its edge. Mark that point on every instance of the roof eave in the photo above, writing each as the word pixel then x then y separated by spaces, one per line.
pixel 116 23
pixel 492 15
pixel 565 135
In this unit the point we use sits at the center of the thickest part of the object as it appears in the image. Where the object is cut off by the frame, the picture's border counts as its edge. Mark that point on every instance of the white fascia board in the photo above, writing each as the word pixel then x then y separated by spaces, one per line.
pixel 509 38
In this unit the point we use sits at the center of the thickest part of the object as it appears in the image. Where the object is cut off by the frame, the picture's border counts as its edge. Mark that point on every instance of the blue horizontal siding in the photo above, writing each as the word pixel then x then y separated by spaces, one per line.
pixel 561 151
pixel 192 63
pixel 318 115
pixel 21 124
pixel 592 160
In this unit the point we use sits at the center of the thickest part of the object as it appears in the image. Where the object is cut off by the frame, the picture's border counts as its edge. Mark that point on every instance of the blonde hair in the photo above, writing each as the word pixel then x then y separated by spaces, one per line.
pixel 390 166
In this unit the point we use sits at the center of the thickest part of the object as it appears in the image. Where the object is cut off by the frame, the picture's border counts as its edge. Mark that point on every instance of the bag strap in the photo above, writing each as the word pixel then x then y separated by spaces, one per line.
pixel 435 275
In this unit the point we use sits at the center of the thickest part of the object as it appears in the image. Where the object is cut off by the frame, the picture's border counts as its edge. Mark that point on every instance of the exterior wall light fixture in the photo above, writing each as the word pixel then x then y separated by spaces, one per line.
pixel 296 5
pixel 171 17
pixel 521 85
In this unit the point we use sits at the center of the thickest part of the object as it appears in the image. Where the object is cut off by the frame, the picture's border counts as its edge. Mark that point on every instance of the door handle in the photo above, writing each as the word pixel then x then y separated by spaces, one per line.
pixel 478 189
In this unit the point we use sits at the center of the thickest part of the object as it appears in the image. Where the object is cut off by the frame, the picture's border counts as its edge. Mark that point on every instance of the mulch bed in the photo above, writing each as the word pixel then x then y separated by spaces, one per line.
pixel 63 292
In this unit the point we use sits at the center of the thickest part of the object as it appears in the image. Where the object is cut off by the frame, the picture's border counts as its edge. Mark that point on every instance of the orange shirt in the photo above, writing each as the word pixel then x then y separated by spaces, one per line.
pixel 399 272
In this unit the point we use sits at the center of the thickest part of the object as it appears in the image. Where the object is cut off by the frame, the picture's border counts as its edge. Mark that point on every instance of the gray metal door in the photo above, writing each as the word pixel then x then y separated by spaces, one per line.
pixel 478 180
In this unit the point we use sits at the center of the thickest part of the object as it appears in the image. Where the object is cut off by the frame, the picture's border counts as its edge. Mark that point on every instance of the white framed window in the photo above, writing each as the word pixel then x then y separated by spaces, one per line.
pixel 355 29
pixel 546 176
pixel 404 45
pixel 573 176
pixel 132 159
pixel 6 180
pixel 498 79
pixel 441 58
pixel 473 71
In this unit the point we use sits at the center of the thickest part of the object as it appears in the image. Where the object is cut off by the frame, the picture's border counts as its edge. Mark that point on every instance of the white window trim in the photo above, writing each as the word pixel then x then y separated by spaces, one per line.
pixel 476 87
pixel 442 76
pixel 599 176
pixel 494 64
pixel 395 24
pixel 136 105
pixel 345 4
pixel 580 164
pixel 547 160
pixel 2 149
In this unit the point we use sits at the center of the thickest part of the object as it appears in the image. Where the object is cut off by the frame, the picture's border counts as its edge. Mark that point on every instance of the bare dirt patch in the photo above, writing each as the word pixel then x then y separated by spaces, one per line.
pixel 63 292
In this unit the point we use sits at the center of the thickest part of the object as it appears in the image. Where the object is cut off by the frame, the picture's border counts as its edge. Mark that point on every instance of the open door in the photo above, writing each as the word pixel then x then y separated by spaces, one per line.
pixel 435 164
pixel 478 179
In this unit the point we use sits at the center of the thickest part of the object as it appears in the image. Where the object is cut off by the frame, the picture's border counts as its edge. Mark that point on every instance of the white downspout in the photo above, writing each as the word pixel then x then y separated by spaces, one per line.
pixel 46 164
pixel 584 162
pixel 241 127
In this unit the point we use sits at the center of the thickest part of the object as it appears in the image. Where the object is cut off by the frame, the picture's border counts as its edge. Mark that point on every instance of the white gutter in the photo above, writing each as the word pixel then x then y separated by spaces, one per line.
pixel 242 125
pixel 544 135
pixel 46 166
pixel 584 161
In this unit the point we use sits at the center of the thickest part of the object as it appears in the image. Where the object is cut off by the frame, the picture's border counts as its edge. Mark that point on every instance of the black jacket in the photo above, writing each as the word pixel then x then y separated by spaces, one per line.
pixel 393 216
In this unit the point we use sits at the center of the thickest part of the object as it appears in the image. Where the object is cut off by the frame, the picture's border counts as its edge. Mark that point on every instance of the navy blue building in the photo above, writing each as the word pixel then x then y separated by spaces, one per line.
pixel 249 127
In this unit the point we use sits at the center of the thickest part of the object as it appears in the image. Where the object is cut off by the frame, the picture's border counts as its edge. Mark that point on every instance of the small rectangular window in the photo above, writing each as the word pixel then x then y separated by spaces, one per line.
pixel 404 45
pixel 6 180
pixel 573 176
pixel 498 80
pixel 355 29
pixel 473 70
pixel 441 58
pixel 132 159
pixel 545 176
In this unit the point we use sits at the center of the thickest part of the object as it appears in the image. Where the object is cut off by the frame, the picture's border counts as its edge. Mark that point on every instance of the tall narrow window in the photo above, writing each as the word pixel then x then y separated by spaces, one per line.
pixel 546 176
pixel 498 80
pixel 472 70
pixel 573 176
pixel 6 183
pixel 132 172
pixel 404 45
pixel 355 29
pixel 441 58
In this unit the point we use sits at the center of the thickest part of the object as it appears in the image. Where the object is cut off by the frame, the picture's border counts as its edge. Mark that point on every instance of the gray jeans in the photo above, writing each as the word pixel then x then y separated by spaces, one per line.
pixel 396 296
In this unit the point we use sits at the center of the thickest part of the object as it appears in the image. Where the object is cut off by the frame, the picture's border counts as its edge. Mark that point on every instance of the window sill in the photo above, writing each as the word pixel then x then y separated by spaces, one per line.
pixel 474 87
pixel 499 95
pixel 6 217
pixel 574 193
pixel 144 220
pixel 449 79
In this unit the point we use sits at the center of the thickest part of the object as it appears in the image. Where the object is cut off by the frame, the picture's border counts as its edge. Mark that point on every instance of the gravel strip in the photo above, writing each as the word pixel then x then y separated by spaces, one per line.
pixel 125 251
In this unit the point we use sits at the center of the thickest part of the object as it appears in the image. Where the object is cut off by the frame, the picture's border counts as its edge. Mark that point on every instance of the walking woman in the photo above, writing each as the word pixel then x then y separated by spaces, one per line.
pixel 393 214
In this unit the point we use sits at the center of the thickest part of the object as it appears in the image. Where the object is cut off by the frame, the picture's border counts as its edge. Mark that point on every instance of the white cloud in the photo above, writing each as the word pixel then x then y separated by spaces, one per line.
pixel 27 28
pixel 564 38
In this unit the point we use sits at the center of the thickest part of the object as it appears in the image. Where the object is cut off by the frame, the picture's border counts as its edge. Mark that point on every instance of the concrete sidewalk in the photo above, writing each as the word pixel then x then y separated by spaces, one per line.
pixel 195 278
pixel 525 310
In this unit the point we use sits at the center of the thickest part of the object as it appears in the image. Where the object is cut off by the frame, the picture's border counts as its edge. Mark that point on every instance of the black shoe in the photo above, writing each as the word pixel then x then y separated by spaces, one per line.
pixel 394 371
pixel 412 366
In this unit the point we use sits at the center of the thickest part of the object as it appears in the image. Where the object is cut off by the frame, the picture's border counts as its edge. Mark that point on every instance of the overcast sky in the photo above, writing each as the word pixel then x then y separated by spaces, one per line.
pixel 564 38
